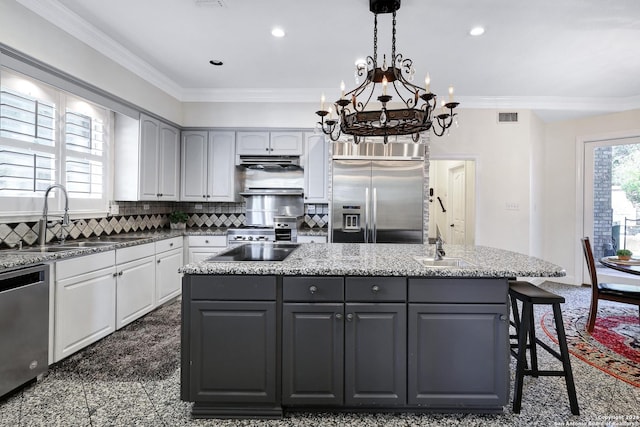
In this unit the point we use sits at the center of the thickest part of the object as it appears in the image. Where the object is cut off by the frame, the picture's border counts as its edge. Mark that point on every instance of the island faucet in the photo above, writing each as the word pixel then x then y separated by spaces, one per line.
pixel 439 251
pixel 42 224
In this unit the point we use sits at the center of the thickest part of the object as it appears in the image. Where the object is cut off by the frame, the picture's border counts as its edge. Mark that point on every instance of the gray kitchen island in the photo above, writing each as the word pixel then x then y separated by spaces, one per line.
pixel 350 327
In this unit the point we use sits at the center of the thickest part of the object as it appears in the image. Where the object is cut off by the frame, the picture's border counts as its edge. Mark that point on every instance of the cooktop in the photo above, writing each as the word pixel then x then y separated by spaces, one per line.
pixel 257 252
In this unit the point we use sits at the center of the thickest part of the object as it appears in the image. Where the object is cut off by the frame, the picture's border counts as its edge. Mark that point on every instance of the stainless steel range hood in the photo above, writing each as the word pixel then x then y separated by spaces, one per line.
pixel 265 162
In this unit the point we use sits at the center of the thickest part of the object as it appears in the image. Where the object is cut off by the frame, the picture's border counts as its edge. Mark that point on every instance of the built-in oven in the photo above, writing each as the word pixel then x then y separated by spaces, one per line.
pixel 286 228
pixel 24 320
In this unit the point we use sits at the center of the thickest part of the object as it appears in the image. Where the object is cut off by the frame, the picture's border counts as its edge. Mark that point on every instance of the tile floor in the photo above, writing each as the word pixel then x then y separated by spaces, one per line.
pixel 69 399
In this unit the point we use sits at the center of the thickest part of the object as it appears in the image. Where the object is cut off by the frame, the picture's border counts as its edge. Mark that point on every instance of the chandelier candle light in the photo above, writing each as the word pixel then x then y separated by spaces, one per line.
pixel 419 112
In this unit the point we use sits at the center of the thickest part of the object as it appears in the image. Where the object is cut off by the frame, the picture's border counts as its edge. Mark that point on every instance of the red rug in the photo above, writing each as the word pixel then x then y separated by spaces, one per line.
pixel 614 345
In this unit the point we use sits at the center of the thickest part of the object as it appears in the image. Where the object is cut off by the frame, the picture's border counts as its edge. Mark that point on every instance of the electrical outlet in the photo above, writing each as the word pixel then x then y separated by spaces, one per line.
pixel 311 209
pixel 114 209
pixel 145 207
pixel 512 206
pixel 198 207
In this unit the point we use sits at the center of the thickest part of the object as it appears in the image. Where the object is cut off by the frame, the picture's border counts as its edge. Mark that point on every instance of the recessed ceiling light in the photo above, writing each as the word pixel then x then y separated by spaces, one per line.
pixel 277 32
pixel 216 62
pixel 476 31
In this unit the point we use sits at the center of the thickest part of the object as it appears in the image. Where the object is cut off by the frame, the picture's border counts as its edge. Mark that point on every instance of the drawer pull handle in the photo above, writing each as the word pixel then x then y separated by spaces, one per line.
pixel 170 244
pixel 349 317
pixel 158 261
pixel 313 289
pixel 375 289
pixel 338 316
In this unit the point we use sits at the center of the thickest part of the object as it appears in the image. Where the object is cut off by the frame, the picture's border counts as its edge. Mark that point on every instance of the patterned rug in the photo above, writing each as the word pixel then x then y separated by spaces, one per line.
pixel 614 345
pixel 147 349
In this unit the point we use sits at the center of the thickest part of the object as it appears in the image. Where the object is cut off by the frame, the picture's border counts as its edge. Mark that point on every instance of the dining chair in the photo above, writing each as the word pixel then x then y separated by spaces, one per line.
pixel 618 292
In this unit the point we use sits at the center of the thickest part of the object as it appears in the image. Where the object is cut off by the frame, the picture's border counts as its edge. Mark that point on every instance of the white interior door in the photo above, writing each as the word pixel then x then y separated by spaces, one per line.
pixel 457 210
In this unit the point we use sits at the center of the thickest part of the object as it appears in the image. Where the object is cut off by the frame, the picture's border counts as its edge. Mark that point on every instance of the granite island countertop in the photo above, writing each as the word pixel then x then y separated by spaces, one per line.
pixel 354 259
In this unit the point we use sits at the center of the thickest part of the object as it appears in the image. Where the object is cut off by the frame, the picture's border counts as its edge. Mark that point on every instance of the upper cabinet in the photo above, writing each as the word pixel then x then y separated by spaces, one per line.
pixel 269 143
pixel 208 167
pixel 147 153
pixel 316 168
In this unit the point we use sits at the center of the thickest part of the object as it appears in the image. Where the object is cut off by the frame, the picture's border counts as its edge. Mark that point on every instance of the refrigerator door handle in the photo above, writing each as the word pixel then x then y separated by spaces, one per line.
pixel 366 215
pixel 374 222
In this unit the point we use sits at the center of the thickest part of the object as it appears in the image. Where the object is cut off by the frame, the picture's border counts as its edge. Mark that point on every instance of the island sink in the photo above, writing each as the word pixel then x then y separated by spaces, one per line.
pixel 444 262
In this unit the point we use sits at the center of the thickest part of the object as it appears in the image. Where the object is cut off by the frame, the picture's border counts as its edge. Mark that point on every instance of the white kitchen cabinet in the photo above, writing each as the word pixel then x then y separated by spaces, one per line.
pixel 311 239
pixel 85 302
pixel 136 282
pixel 269 143
pixel 146 159
pixel 169 259
pixel 208 166
pixel 286 143
pixel 202 247
pixel 316 168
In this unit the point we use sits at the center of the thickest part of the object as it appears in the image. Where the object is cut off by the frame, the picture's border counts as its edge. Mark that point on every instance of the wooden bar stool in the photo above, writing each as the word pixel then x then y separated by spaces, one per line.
pixel 529 295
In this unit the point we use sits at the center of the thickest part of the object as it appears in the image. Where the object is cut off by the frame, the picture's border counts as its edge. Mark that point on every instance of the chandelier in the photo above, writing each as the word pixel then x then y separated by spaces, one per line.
pixel 419 113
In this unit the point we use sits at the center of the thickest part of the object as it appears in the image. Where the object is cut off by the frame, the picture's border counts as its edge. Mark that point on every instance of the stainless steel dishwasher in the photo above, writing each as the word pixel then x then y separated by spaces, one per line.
pixel 24 325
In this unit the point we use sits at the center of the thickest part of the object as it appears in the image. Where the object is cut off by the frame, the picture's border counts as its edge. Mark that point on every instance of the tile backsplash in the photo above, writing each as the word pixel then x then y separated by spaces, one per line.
pixel 146 216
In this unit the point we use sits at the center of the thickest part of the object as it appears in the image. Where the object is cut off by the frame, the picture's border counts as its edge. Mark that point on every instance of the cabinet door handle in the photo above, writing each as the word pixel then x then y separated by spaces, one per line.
pixel 206 241
pixel 170 245
pixel 158 261
pixel 375 289
pixel 338 316
pixel 204 196
pixel 267 148
pixel 115 274
pixel 503 317
pixel 313 289
pixel 349 317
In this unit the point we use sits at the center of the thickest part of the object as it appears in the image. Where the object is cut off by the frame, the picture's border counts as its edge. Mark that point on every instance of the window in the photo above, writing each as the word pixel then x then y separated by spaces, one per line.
pixel 48 136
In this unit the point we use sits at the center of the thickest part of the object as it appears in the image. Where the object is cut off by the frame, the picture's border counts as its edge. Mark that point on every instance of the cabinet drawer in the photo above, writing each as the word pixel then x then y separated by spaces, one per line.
pixel 168 244
pixel 84 264
pixel 313 288
pixel 458 290
pixel 131 253
pixel 386 289
pixel 238 288
pixel 207 240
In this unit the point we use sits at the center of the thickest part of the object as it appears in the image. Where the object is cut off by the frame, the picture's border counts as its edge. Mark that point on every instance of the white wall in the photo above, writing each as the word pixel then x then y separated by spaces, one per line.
pixel 560 185
pixel 249 114
pixel 502 153
pixel 30 34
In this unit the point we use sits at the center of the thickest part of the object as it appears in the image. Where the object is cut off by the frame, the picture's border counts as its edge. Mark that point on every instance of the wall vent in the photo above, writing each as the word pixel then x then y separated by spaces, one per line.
pixel 212 3
pixel 507 117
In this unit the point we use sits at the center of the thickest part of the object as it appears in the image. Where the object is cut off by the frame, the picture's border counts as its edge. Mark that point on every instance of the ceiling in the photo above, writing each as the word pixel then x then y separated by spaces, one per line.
pixel 561 58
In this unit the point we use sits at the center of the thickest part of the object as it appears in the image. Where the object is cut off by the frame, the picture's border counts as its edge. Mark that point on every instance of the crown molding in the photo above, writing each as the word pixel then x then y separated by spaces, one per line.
pixel 56 13
pixel 68 21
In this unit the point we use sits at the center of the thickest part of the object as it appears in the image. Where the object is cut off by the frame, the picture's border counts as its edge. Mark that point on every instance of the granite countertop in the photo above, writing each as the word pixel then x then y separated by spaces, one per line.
pixel 14 258
pixel 386 260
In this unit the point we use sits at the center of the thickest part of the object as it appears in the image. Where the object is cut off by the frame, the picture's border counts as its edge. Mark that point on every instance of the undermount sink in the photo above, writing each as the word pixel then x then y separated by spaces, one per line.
pixel 87 244
pixel 444 262
pixel 45 249
pixel 66 247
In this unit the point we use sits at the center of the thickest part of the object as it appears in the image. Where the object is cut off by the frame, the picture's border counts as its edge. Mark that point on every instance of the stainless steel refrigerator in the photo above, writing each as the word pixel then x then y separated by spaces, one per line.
pixel 377 201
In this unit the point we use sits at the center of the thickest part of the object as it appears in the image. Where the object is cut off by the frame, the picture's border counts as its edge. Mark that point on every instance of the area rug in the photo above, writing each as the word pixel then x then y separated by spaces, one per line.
pixel 614 345
pixel 147 349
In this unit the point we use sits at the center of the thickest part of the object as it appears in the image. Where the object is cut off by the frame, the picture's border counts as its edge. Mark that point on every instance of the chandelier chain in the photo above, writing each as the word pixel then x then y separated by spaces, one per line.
pixel 375 40
pixel 393 38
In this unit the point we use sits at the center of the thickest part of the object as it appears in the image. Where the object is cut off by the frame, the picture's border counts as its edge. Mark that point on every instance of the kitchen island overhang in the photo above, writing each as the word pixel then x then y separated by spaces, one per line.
pixel 344 327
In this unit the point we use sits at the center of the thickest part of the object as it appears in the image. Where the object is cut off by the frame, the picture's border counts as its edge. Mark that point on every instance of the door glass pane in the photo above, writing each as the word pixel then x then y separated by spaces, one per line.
pixel 616 199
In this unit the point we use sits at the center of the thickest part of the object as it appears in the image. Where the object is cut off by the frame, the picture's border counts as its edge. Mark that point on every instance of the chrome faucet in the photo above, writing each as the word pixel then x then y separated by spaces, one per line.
pixel 43 223
pixel 439 251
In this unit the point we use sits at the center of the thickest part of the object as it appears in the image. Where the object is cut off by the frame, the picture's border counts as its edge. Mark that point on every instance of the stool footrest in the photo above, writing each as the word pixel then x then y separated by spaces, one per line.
pixel 545 373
